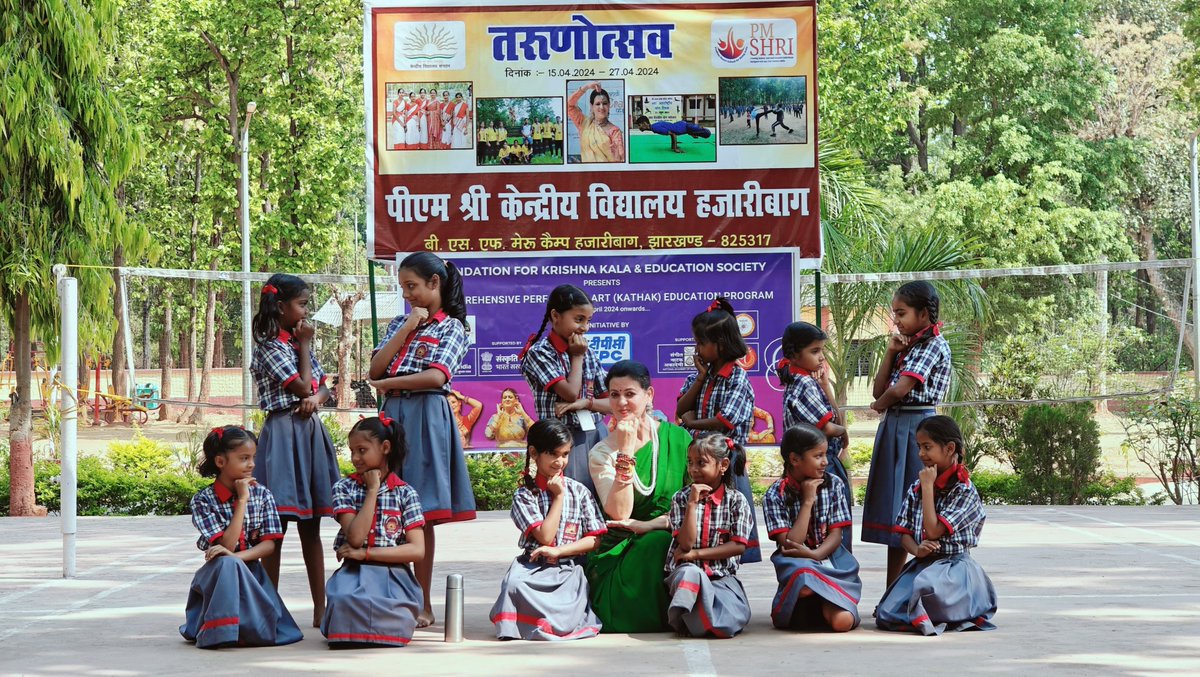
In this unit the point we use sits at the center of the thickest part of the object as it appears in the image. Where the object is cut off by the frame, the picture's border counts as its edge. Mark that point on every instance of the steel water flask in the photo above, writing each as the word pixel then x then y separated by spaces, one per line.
pixel 454 608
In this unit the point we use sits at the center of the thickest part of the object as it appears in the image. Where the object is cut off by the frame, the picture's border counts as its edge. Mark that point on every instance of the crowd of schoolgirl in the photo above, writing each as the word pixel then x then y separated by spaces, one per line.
pixel 637 524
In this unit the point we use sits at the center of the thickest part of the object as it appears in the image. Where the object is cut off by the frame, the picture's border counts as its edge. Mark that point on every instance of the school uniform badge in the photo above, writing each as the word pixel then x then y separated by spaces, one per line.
pixel 391 526
pixel 571 532
pixel 422 351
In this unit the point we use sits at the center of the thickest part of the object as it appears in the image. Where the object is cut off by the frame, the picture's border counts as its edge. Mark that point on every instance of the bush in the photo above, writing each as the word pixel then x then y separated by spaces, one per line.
pixel 860 457
pixel 1058 457
pixel 494 478
pixel 142 456
pixel 106 490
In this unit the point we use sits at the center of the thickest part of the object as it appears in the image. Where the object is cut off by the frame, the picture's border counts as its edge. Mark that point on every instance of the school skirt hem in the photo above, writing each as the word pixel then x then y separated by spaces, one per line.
pixel 701 606
pixel 895 463
pixel 298 464
pixel 436 465
pixel 936 594
pixel 834 580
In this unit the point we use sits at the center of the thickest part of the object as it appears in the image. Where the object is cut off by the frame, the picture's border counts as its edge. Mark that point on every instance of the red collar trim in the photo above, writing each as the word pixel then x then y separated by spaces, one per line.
pixel 793 369
pixel 727 370
pixel 717 495
pixel 957 471
pixel 223 494
pixel 540 481
pixel 438 316
pixel 392 480
pixel 559 343
pixel 285 336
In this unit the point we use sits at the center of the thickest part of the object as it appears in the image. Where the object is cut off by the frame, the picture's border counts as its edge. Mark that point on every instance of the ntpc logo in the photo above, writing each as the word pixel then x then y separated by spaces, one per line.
pixel 611 348
pixel 754 44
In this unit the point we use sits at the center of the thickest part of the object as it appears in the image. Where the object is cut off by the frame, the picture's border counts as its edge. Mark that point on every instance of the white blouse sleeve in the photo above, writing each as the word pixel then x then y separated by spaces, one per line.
pixel 602 464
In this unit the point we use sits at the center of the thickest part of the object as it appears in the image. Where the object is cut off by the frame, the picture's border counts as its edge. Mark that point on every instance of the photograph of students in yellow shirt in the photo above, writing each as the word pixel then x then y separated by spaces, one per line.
pixel 521 131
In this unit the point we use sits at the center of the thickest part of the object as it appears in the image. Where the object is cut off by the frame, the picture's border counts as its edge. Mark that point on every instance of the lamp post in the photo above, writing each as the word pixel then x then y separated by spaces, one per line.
pixel 247 339
pixel 1195 270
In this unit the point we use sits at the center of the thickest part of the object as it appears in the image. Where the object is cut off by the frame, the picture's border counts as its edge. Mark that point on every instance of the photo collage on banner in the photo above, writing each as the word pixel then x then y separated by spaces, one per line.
pixel 655 156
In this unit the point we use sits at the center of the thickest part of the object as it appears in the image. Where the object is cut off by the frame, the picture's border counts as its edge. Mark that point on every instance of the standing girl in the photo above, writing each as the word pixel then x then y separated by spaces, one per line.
pixel 710 528
pixel 413 365
pixel 566 377
pixel 718 396
pixel 373 597
pixel 942 587
pixel 544 595
pixel 806 513
pixel 232 600
pixel 913 378
pixel 298 461
pixel 808 398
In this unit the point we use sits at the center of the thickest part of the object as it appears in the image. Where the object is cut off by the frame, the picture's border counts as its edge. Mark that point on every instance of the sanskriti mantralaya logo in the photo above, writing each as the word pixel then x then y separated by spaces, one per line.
pixel 754 43
pixel 430 45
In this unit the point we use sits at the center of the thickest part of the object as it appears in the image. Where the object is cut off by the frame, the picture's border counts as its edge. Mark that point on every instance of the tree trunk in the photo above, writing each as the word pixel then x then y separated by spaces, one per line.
pixel 119 374
pixel 166 362
pixel 1171 306
pixel 21 499
pixel 189 344
pixel 219 336
pixel 346 340
pixel 210 316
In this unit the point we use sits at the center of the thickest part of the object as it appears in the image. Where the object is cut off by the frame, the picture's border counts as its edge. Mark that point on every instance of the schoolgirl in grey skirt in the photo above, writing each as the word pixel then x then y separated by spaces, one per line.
pixel 913 378
pixel 374 598
pixel 942 587
pixel 544 595
pixel 297 461
pixel 413 366
pixel 710 529
pixel 566 378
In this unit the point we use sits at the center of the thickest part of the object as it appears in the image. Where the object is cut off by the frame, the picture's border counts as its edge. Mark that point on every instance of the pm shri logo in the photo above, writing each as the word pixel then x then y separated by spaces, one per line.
pixel 761 43
pixel 430 45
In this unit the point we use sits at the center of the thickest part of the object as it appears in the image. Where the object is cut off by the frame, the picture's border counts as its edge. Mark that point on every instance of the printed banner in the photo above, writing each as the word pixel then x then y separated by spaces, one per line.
pixel 533 128
pixel 644 306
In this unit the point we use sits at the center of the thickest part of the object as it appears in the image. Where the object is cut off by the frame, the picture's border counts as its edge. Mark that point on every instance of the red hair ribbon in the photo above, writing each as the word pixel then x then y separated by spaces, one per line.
pixel 729 443
pixel 713 306
pixel 269 289
pixel 528 344
pixel 219 431
pixel 783 362
pixel 383 418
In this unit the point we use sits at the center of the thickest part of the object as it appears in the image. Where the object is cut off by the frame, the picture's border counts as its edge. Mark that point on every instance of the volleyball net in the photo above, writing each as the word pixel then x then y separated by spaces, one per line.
pixel 1095 332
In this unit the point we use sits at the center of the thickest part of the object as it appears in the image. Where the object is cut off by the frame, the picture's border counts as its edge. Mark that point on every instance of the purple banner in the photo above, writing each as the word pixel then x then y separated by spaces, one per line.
pixel 644 305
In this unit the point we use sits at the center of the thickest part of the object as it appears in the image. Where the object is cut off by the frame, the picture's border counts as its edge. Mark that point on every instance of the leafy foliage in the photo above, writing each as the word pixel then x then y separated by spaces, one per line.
pixel 494 478
pixel 1164 436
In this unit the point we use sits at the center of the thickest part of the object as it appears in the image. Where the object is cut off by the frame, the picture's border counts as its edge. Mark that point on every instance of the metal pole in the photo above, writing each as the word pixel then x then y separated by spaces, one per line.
pixel 817 287
pixel 128 332
pixel 1195 271
pixel 247 339
pixel 69 426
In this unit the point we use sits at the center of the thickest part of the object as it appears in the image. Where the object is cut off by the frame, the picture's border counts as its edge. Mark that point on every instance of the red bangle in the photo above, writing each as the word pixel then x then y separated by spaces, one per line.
pixel 366 553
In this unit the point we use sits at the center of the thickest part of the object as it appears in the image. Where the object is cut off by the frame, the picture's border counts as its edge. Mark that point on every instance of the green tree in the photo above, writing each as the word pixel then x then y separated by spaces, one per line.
pixel 65 146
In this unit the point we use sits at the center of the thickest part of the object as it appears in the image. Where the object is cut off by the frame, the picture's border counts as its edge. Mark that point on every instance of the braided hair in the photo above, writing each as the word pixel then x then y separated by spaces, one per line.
pixel 719 325
pixel 383 429
pixel 220 441
pixel 544 437
pixel 426 265
pixel 721 447
pixel 796 337
pixel 920 295
pixel 279 289
pixel 563 298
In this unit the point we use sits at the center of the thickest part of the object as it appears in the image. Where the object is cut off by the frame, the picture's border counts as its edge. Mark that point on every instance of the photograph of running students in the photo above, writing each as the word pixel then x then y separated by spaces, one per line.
pixel 768 111
pixel 673 128
pixel 524 131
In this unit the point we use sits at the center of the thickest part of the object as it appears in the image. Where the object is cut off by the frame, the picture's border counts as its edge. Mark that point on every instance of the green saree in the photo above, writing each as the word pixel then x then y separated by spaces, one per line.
pixel 625 573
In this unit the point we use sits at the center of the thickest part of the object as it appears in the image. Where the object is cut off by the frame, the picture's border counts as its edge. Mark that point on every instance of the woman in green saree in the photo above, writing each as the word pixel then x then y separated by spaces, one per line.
pixel 636 470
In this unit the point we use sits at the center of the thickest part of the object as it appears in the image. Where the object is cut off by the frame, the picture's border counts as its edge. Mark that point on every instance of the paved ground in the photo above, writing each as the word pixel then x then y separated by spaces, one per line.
pixel 1082 591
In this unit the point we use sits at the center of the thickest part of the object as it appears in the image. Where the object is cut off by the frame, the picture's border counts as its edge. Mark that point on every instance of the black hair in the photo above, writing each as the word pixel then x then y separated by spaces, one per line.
pixel 629 369
pixel 279 289
pixel 920 295
pixel 392 432
pixel 798 439
pixel 220 441
pixel 544 437
pixel 641 119
pixel 426 265
pixel 599 92
pixel 944 430
pixel 721 447
pixel 719 325
pixel 563 298
pixel 796 337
